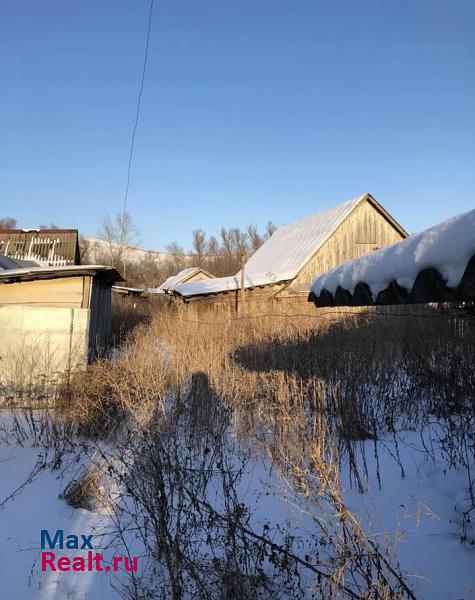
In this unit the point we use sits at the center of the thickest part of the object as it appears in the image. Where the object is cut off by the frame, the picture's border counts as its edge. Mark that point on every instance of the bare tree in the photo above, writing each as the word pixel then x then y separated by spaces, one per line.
pixel 213 249
pixel 120 233
pixel 199 244
pixel 226 242
pixel 254 237
pixel 270 229
pixel 177 256
pixel 238 241
pixel 50 226
pixel 8 223
pixel 85 249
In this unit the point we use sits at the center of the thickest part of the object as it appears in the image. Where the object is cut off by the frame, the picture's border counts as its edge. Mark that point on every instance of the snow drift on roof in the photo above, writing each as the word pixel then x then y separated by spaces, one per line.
pixel 221 284
pixel 282 256
pixel 170 283
pixel 446 247
pixel 293 245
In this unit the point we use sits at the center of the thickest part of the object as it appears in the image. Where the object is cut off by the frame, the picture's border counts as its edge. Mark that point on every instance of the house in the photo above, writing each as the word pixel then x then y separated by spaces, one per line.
pixel 188 275
pixel 52 320
pixel 436 265
pixel 287 263
pixel 46 247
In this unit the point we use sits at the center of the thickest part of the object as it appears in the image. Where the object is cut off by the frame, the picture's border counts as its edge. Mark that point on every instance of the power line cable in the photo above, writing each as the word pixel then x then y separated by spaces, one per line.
pixel 137 112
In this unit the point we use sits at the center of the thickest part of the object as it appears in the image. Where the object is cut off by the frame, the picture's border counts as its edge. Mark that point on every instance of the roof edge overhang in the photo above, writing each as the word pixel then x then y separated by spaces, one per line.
pixel 108 274
pixel 190 297
pixel 380 208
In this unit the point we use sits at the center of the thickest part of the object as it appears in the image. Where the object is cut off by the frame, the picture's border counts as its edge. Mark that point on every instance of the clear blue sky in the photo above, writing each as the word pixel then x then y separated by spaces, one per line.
pixel 252 110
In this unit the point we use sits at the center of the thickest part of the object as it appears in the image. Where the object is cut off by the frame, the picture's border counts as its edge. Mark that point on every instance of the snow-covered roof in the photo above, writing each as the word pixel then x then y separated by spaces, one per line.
pixel 447 247
pixel 169 284
pixel 282 256
pixel 220 284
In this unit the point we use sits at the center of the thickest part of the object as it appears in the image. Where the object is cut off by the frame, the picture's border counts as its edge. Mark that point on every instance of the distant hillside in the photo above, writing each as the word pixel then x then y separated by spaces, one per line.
pixel 95 250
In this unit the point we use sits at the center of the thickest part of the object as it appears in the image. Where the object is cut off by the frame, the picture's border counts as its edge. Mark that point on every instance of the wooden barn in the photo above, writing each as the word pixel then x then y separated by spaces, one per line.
pixel 52 320
pixel 45 247
pixel 283 268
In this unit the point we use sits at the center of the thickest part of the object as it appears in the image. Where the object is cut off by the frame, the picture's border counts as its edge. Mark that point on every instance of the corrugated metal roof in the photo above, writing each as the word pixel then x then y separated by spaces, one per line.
pixel 10 263
pixel 446 247
pixel 47 247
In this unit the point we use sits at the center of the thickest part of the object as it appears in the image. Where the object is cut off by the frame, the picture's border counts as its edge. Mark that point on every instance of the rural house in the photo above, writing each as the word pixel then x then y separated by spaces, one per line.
pixel 45 247
pixel 286 264
pixel 52 320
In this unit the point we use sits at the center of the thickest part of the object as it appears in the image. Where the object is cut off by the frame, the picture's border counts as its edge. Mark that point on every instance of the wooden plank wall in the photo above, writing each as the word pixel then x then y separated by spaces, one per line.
pixel 69 292
pixel 363 231
pixel 100 317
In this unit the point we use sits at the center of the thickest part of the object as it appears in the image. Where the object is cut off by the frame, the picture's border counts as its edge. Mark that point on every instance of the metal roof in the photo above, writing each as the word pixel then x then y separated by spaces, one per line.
pixel 10 263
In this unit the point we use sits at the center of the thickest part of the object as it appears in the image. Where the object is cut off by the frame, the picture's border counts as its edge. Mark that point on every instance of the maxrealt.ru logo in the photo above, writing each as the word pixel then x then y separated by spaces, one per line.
pixel 86 559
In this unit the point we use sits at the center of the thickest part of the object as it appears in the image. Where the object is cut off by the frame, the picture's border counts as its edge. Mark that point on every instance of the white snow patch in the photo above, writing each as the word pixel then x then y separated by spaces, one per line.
pixel 446 247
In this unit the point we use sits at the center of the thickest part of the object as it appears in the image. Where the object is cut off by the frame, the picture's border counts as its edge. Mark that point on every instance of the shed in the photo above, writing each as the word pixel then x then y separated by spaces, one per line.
pixel 52 320
pixel 188 275
pixel 46 247
pixel 287 263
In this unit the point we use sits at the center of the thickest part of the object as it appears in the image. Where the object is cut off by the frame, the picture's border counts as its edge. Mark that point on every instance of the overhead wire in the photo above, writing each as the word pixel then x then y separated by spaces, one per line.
pixel 137 111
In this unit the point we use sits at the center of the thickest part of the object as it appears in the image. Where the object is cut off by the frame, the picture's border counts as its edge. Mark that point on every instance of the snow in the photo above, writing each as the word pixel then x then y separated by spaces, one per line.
pixel 225 284
pixel 422 509
pixel 170 283
pixel 97 249
pixel 282 256
pixel 446 247
pixel 37 507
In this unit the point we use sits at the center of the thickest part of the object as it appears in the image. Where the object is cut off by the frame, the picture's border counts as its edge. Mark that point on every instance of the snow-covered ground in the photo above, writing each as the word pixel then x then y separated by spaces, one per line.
pixel 422 509
pixel 22 518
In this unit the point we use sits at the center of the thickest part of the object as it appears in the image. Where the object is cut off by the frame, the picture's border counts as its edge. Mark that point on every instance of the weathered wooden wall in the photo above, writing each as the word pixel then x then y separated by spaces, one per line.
pixel 200 276
pixel 50 327
pixel 258 301
pixel 363 231
pixel 69 292
pixel 100 317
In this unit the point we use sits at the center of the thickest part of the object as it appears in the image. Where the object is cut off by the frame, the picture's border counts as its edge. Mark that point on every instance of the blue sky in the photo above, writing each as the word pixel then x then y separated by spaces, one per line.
pixel 252 110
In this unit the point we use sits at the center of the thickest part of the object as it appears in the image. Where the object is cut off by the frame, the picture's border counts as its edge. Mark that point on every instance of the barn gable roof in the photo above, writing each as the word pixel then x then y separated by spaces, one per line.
pixel 287 251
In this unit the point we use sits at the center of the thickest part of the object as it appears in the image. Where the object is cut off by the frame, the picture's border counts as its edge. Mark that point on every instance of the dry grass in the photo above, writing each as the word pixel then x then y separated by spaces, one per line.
pixel 305 391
